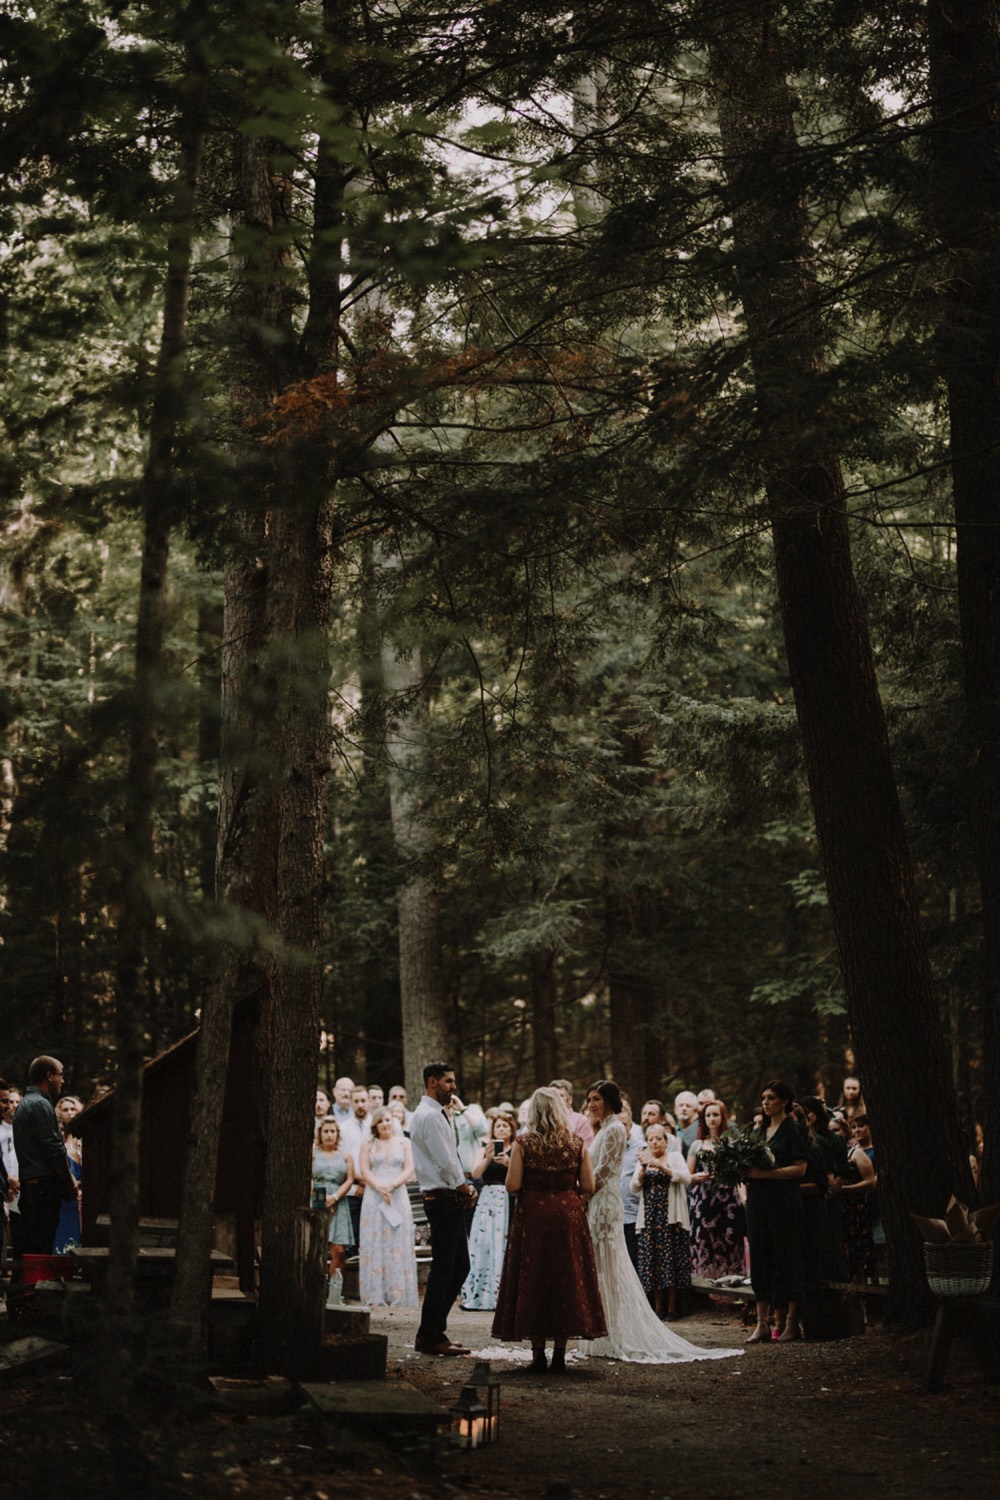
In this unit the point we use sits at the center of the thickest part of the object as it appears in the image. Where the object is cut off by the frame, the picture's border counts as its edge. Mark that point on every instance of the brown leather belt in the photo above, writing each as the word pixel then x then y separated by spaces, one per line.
pixel 450 1195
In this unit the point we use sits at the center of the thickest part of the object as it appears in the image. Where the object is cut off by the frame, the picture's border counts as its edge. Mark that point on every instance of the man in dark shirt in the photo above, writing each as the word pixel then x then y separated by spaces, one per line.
pixel 45 1178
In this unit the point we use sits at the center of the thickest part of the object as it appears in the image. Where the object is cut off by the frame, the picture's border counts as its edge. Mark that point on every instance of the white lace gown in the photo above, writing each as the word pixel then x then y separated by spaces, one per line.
pixel 634 1331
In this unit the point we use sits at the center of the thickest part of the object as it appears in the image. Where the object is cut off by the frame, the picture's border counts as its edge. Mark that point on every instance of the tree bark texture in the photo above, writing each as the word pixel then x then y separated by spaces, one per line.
pixel 421 978
pixel 137 909
pixel 246 854
pixel 893 1013
pixel 543 997
pixel 300 592
pixel 964 55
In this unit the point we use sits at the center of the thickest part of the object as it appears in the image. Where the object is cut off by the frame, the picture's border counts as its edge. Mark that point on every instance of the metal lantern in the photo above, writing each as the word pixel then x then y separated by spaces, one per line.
pixel 469 1420
pixel 488 1385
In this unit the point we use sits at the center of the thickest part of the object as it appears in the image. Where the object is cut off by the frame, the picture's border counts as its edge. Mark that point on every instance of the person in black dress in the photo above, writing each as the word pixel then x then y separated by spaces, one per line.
pixel 774 1218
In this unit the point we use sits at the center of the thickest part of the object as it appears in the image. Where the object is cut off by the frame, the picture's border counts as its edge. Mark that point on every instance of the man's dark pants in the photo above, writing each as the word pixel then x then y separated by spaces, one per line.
pixel 449 1266
pixel 39 1205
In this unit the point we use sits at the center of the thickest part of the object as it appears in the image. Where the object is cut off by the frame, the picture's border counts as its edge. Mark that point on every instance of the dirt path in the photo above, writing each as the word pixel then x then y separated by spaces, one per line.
pixel 811 1420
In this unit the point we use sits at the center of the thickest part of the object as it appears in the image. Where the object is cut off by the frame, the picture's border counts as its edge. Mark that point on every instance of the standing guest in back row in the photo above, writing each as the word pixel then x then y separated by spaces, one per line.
pixel 446 1196
pixel 686 1110
pixel 46 1180
pixel 578 1124
pixel 4 1180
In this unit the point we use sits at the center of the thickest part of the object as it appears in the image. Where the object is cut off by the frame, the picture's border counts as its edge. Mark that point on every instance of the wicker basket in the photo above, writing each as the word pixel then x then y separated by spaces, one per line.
pixel 958 1270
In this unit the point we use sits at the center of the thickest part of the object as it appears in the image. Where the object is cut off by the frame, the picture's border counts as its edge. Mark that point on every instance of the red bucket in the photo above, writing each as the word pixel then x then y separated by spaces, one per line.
pixel 47 1268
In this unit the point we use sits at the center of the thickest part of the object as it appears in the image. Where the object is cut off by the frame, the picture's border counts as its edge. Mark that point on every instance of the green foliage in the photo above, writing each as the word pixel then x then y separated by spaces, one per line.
pixel 543 437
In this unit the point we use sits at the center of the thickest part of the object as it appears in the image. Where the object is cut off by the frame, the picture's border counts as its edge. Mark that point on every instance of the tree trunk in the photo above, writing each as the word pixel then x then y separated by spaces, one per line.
pixel 274 764
pixel 381 1014
pixel 543 996
pixel 211 625
pixel 893 1013
pixel 421 981
pixel 299 609
pixel 964 53
pixel 160 484
pixel 246 867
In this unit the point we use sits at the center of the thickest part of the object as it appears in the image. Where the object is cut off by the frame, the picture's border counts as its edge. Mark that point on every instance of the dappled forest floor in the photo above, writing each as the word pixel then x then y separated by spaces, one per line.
pixel 815 1420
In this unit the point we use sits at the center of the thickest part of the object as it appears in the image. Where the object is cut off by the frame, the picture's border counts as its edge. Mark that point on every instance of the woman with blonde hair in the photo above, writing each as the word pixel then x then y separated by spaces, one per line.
pixel 548 1289
pixel 333 1178
pixel 387 1262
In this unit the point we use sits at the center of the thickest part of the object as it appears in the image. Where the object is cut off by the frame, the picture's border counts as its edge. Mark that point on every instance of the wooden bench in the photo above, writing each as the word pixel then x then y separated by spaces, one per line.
pixel 154 1270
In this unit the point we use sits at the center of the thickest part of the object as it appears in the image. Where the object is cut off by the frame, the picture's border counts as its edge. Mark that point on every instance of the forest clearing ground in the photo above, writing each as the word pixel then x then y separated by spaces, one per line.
pixel 816 1420
pixel 810 1420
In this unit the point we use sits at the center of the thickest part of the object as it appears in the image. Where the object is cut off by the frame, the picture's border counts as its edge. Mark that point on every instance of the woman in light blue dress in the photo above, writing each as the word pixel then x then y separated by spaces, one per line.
pixel 488 1235
pixel 333 1178
pixel 386 1256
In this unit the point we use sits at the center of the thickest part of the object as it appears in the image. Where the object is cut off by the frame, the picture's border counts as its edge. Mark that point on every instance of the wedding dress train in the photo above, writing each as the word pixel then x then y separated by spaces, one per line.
pixel 634 1331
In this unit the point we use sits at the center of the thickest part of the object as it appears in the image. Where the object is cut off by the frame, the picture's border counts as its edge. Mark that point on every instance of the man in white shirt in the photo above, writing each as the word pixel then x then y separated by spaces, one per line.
pixel 10 1098
pixel 446 1196
pixel 342 1091
pixel 354 1132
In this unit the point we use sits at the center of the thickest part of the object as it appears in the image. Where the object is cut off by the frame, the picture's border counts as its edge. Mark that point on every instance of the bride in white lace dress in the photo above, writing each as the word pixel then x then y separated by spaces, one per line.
pixel 634 1331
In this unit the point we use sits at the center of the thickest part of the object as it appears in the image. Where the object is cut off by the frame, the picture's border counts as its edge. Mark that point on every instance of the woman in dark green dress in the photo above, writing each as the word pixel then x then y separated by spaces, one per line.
pixel 774 1218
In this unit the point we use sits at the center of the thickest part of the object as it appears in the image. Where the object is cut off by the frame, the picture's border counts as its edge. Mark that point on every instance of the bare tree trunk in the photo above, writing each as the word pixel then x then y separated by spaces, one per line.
pixel 274 764
pixel 421 982
pixel 893 1012
pixel 543 998
pixel 211 625
pixel 246 868
pixel 300 593
pixel 380 1004
pixel 964 53
pixel 137 864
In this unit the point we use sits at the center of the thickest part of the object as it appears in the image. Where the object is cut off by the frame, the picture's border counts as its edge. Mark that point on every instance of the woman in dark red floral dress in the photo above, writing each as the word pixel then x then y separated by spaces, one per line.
pixel 549 1289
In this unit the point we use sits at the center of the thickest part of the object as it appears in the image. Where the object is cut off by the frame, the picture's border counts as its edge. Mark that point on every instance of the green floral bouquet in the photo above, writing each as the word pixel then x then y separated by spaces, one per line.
pixel 735 1155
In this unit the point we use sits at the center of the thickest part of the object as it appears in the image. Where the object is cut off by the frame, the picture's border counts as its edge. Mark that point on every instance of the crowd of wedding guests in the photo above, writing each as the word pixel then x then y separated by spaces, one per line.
pixel 66 1107
pixel 679 1222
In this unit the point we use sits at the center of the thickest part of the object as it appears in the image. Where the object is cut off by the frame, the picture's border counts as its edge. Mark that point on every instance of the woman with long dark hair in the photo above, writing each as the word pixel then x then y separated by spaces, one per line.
pixel 634 1331
pixel 774 1217
pixel 490 1223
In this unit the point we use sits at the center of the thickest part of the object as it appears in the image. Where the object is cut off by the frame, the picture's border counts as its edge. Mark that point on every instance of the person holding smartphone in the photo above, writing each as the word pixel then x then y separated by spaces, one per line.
pixel 488 1236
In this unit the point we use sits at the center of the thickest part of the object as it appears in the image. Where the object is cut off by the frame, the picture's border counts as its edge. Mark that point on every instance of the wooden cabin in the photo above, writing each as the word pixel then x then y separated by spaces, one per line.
pixel 168 1088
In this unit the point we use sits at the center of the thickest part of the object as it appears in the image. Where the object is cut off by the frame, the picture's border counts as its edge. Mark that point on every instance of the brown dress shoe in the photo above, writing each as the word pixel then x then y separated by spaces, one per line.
pixel 445 1347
